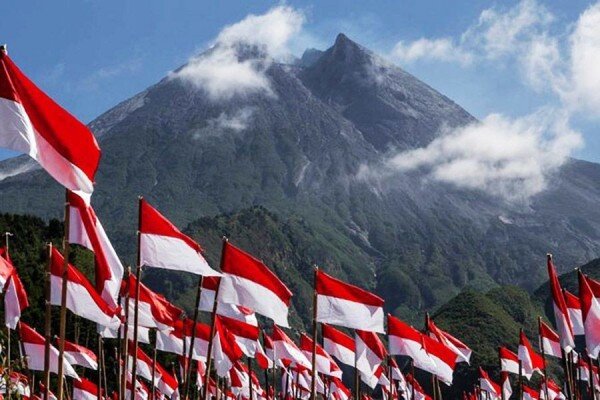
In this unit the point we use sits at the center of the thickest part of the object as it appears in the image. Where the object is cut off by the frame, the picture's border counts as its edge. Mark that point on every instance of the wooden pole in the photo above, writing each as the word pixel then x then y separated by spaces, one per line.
pixel 136 313
pixel 433 388
pixel 313 391
pixel 153 390
pixel 250 377
pixel 520 380
pixel 63 302
pixel 100 367
pixel 47 323
pixel 212 326
pixel 501 382
pixel 125 344
pixel 412 373
pixel 8 344
pixel 188 365
pixel 103 362
pixel 591 367
pixel 544 358
pixel 356 382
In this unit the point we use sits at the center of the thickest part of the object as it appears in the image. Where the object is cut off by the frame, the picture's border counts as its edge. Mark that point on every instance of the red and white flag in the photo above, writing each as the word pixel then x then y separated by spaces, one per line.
pixel 15 300
pixel 462 351
pixel 561 314
pixel 338 390
pixel 590 311
pixel 86 230
pixel 554 391
pixel 225 350
pixel 32 123
pixel 285 349
pixel 530 394
pixel 6 269
pixel 324 363
pixel 549 340
pixel 574 309
pixel 162 245
pixel 530 361
pixel 85 390
pixel 416 389
pixel 143 362
pixel 397 375
pixel 141 391
pixel 246 335
pixel 262 359
pixel 34 344
pixel 509 361
pixel 166 382
pixel 339 345
pixel 488 385
pixel 79 355
pixel 506 387
pixel 340 303
pixel 201 334
pixel 370 353
pixel 19 385
pixel 82 298
pixel 248 282
pixel 171 340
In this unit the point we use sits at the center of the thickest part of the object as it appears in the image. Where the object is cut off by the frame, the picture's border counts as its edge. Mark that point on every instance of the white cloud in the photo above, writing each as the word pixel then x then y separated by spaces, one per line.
pixel 224 74
pixel 433 49
pixel 93 81
pixel 509 158
pixel 237 121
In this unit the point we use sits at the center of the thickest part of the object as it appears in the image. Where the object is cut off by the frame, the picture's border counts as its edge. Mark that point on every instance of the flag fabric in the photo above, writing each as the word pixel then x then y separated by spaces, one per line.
pixel 246 281
pixel 462 351
pixel 427 353
pixel 338 344
pixel 141 391
pixel 143 362
pixel 171 340
pixel 82 298
pixel 561 314
pixel 6 270
pixel 32 123
pixel 207 294
pixel 590 311
pixel 530 361
pixel 340 303
pixel 245 334
pixel 370 353
pixel 285 349
pixel 225 350
pixel 34 344
pixel 583 370
pixel 414 387
pixel 86 230
pixel 262 359
pixel 550 341
pixel 338 390
pixel 80 355
pixel 15 300
pixel 506 387
pixel 325 364
pixel 509 361
pixel 166 382
pixel 488 385
pixel 530 394
pixel 162 245
pixel 201 334
pixel 554 391
pixel 574 309
pixel 84 390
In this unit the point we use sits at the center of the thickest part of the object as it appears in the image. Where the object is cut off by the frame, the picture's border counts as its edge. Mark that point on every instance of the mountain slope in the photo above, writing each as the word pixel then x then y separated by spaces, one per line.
pixel 297 152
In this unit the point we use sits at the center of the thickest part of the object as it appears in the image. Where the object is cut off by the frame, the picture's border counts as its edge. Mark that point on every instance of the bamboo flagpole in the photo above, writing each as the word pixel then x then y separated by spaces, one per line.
pixel 250 377
pixel 153 389
pixel 313 391
pixel 47 323
pixel 356 381
pixel 541 344
pixel 100 367
pixel 503 397
pixel 188 365
pixel 63 301
pixel 125 344
pixel 212 326
pixel 520 380
pixel 8 335
pixel 138 275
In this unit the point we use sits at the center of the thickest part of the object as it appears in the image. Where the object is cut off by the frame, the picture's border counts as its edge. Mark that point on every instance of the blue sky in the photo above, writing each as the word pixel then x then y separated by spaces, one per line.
pixel 90 55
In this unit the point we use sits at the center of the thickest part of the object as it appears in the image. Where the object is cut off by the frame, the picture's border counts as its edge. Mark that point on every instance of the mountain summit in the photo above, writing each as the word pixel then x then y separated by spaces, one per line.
pixel 296 150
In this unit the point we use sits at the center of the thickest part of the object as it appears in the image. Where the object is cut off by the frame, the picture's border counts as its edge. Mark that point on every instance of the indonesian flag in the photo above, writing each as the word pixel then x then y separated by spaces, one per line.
pixel 141 391
pixel 171 340
pixel 154 311
pixel 554 391
pixel 245 334
pixel 201 334
pixel 285 349
pixel 486 384
pixel 414 387
pixel 15 300
pixel 530 394
pixel 397 375
pixel 19 385
pixel 325 364
pixel 85 390
pixel 549 340
pixel 225 350
pixel 338 390
pixel 506 387
pixel 143 362
pixel 590 310
pixel 33 344
pixel 166 382
pixel 462 351
pixel 584 370
pixel 250 283
pixel 340 303
pixel 262 359
pixel 509 361
pixel 427 354
pixel 86 230
pixel 79 355
pixel 530 360
pixel 51 395
pixel 162 245
pixel 574 310
pixel 339 345
pixel 370 353
pixel 6 269
pixel 82 298
pixel 32 123
pixel 561 314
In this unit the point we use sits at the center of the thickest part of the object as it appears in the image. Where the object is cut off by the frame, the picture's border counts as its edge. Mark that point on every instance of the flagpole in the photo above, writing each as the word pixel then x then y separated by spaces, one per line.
pixel 541 338
pixel 412 373
pixel 63 301
pixel 125 344
pixel 502 382
pixel 313 393
pixel 102 360
pixel 520 380
pixel 356 381
pixel 267 380
pixel 188 364
pixel 390 377
pixel 153 390
pixel 136 313
pixel 8 355
pixel 591 368
pixel 212 325
pixel 249 360
pixel 47 323
pixel 100 366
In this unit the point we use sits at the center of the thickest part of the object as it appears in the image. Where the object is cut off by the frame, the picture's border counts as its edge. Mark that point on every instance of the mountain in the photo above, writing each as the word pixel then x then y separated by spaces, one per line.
pixel 297 152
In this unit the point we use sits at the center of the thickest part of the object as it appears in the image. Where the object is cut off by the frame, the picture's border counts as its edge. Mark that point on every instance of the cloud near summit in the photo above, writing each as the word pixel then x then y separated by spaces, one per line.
pixel 223 74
